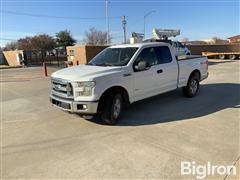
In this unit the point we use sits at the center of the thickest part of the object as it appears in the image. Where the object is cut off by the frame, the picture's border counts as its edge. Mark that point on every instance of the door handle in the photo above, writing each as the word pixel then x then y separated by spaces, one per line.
pixel 159 71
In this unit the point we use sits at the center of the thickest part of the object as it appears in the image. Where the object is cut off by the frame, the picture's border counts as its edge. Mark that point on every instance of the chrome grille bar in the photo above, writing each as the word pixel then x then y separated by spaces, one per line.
pixel 62 88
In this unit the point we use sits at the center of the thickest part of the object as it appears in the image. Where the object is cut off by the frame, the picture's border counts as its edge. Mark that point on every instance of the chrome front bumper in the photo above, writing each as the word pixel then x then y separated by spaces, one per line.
pixel 81 107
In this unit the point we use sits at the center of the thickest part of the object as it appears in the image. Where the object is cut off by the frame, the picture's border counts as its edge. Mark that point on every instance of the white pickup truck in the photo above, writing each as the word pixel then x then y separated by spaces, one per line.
pixel 124 74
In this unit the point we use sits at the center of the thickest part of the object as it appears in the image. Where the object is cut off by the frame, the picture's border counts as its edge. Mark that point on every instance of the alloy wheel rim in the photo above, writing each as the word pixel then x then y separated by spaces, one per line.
pixel 116 108
pixel 193 86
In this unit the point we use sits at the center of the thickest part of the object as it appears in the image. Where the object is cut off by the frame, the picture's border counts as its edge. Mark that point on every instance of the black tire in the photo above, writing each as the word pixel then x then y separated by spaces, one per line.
pixel 222 56
pixel 192 87
pixel 112 107
pixel 232 56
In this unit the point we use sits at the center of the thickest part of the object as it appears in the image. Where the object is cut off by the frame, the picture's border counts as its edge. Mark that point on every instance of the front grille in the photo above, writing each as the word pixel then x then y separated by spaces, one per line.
pixel 62 88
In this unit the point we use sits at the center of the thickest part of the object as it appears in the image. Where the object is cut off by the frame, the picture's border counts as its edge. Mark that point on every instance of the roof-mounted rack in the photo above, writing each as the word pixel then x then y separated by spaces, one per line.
pixel 164 34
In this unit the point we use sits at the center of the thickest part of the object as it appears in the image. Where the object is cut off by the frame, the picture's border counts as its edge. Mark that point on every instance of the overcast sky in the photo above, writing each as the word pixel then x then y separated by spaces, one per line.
pixel 197 19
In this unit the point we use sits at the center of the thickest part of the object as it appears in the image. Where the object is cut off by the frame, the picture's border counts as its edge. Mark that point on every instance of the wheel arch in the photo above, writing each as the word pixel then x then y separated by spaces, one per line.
pixel 195 72
pixel 113 90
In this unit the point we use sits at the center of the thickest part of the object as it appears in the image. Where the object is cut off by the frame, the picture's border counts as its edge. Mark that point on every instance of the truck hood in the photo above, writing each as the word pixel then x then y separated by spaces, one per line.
pixel 83 72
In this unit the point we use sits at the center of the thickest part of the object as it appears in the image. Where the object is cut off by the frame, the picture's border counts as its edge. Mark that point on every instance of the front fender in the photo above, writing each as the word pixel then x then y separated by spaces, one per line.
pixel 104 84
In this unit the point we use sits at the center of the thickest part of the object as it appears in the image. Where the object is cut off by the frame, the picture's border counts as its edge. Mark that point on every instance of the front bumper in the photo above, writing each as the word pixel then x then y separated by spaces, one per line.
pixel 80 107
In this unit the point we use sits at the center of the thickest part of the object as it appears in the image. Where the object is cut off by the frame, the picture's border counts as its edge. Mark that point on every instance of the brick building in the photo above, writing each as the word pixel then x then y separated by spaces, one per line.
pixel 82 54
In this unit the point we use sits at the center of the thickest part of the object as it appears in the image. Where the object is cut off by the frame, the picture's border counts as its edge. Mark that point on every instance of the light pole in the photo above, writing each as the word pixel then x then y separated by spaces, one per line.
pixel 107 21
pixel 150 12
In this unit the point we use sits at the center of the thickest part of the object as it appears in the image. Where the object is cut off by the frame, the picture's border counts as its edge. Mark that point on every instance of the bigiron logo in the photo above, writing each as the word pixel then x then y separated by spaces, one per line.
pixel 202 171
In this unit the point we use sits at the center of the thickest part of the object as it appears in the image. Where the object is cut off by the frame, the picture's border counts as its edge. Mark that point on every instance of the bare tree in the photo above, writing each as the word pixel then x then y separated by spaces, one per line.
pixel 25 43
pixel 11 46
pixel 43 42
pixel 184 40
pixel 96 37
pixel 215 38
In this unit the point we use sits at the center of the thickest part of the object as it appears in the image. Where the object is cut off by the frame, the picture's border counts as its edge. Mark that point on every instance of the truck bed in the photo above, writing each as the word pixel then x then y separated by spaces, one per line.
pixel 189 63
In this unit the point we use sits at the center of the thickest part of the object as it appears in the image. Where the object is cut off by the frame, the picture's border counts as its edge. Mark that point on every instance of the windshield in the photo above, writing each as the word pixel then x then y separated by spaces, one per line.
pixel 113 57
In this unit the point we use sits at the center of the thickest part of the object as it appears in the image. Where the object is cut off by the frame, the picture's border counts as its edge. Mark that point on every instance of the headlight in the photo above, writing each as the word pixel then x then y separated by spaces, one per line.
pixel 84 88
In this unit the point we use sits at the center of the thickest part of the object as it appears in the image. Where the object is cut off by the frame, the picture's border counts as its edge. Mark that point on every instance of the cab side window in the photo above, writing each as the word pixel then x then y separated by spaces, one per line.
pixel 175 45
pixel 163 54
pixel 148 55
pixel 180 45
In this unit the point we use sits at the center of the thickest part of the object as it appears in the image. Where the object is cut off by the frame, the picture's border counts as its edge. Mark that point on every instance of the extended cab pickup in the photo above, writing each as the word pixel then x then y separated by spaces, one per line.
pixel 124 74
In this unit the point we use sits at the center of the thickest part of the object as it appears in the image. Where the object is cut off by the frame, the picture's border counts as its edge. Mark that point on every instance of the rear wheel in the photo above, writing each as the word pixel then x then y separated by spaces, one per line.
pixel 192 86
pixel 112 107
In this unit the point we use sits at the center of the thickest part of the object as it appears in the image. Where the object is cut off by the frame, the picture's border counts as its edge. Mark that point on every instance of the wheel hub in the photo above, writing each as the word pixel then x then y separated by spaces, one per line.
pixel 116 108
pixel 193 86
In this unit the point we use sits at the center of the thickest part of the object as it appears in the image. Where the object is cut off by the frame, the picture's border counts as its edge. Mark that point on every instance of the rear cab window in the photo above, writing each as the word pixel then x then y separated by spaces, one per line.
pixel 164 55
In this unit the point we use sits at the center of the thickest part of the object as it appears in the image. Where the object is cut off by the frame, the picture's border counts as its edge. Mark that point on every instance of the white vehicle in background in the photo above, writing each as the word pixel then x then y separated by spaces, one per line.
pixel 163 35
pixel 124 74
pixel 179 49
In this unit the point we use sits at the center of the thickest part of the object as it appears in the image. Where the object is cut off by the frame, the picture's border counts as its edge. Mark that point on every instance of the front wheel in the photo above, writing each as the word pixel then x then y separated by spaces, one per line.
pixel 112 109
pixel 192 87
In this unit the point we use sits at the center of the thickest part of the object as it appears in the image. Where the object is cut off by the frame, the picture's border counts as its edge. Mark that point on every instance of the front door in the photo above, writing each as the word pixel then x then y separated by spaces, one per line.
pixel 160 76
pixel 145 81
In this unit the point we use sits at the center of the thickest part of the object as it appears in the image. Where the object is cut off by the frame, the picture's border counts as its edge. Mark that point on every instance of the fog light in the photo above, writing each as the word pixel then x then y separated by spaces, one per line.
pixel 81 106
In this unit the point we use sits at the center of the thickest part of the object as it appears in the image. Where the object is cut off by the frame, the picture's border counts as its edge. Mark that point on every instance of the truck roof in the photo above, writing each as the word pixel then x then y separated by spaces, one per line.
pixel 140 45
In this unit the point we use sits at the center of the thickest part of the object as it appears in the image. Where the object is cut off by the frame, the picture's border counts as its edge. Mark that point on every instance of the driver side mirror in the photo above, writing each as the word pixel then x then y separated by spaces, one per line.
pixel 141 66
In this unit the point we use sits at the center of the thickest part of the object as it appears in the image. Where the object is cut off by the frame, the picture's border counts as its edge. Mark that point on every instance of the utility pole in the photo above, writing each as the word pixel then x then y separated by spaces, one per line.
pixel 124 22
pixel 107 20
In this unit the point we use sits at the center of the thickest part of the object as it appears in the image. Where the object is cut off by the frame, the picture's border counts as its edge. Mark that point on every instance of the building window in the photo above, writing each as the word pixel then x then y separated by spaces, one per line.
pixel 71 52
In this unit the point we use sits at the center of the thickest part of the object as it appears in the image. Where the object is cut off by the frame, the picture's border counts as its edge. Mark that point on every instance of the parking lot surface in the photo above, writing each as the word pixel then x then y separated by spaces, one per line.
pixel 150 141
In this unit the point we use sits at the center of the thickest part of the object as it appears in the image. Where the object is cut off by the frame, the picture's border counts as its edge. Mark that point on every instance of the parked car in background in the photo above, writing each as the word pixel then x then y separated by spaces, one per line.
pixel 179 49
